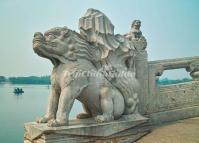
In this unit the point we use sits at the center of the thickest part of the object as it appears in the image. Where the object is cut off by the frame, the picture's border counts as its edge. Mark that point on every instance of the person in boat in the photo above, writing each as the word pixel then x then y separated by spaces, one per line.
pixel 18 90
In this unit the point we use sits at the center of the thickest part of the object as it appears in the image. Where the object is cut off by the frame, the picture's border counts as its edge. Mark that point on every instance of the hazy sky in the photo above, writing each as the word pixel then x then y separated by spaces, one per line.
pixel 170 26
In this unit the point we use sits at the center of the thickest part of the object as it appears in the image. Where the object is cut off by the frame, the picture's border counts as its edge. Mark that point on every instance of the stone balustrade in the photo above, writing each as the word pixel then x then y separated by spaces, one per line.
pixel 170 102
pixel 191 64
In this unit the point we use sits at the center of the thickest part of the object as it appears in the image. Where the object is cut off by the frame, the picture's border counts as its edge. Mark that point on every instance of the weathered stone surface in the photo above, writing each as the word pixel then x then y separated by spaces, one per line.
pixel 113 92
pixel 172 115
pixel 175 96
pixel 177 63
pixel 171 102
pixel 88 130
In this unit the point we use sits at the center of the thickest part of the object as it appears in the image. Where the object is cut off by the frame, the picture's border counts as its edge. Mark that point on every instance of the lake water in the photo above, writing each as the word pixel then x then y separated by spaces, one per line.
pixel 15 110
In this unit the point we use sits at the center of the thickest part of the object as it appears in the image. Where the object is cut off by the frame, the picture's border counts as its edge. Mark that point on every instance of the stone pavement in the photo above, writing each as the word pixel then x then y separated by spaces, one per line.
pixel 184 131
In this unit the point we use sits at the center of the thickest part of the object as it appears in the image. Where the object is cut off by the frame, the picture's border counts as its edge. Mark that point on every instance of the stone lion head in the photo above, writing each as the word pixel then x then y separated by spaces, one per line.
pixel 61 44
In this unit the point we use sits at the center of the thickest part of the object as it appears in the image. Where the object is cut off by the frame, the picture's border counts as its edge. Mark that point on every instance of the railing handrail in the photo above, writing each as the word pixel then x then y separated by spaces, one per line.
pixel 176 63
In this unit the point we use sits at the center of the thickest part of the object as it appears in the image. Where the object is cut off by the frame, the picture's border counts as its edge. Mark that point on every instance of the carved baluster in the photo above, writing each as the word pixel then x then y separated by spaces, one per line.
pixel 193 68
pixel 159 71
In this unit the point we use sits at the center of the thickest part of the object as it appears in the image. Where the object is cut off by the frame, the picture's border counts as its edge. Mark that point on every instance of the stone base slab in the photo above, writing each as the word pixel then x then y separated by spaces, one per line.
pixel 127 129
pixel 173 115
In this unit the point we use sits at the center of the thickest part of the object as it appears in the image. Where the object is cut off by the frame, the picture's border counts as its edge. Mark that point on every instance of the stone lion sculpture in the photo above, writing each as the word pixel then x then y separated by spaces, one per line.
pixel 75 59
pixel 68 53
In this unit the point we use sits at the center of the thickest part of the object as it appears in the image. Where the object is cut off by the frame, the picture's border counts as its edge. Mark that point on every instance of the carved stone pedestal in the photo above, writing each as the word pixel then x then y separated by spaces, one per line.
pixel 127 129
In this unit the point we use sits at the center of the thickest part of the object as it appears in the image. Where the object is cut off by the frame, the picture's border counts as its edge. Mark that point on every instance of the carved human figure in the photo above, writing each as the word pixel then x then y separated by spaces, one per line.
pixel 135 35
pixel 117 54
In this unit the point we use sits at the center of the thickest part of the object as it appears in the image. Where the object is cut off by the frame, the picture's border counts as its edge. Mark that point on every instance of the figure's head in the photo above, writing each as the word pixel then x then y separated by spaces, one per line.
pixel 136 24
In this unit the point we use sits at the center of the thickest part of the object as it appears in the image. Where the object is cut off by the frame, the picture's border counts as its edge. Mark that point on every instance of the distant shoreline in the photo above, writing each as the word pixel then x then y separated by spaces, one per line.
pixel 42 80
pixel 45 80
pixel 24 83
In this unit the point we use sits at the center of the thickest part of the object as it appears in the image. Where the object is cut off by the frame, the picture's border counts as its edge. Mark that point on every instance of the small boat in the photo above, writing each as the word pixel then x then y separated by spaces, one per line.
pixel 18 91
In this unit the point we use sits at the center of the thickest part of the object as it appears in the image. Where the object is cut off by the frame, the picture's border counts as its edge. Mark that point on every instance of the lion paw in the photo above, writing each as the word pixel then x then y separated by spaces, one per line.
pixel 103 118
pixel 83 116
pixel 44 119
pixel 55 123
pixel 100 119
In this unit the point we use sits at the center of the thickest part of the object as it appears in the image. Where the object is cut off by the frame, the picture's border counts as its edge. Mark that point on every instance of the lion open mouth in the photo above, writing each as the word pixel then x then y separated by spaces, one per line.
pixel 39 47
pixel 38 41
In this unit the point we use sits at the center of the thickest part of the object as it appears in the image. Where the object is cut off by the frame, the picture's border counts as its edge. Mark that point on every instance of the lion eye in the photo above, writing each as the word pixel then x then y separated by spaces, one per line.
pixel 51 36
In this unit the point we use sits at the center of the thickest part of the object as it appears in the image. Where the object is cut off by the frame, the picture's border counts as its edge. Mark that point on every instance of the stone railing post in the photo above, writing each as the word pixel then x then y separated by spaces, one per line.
pixel 141 64
pixel 193 68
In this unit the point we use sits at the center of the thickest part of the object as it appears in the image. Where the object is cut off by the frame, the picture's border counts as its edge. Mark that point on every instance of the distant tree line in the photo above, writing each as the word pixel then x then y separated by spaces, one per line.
pixel 30 80
pixel 46 80
pixel 2 79
pixel 167 81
